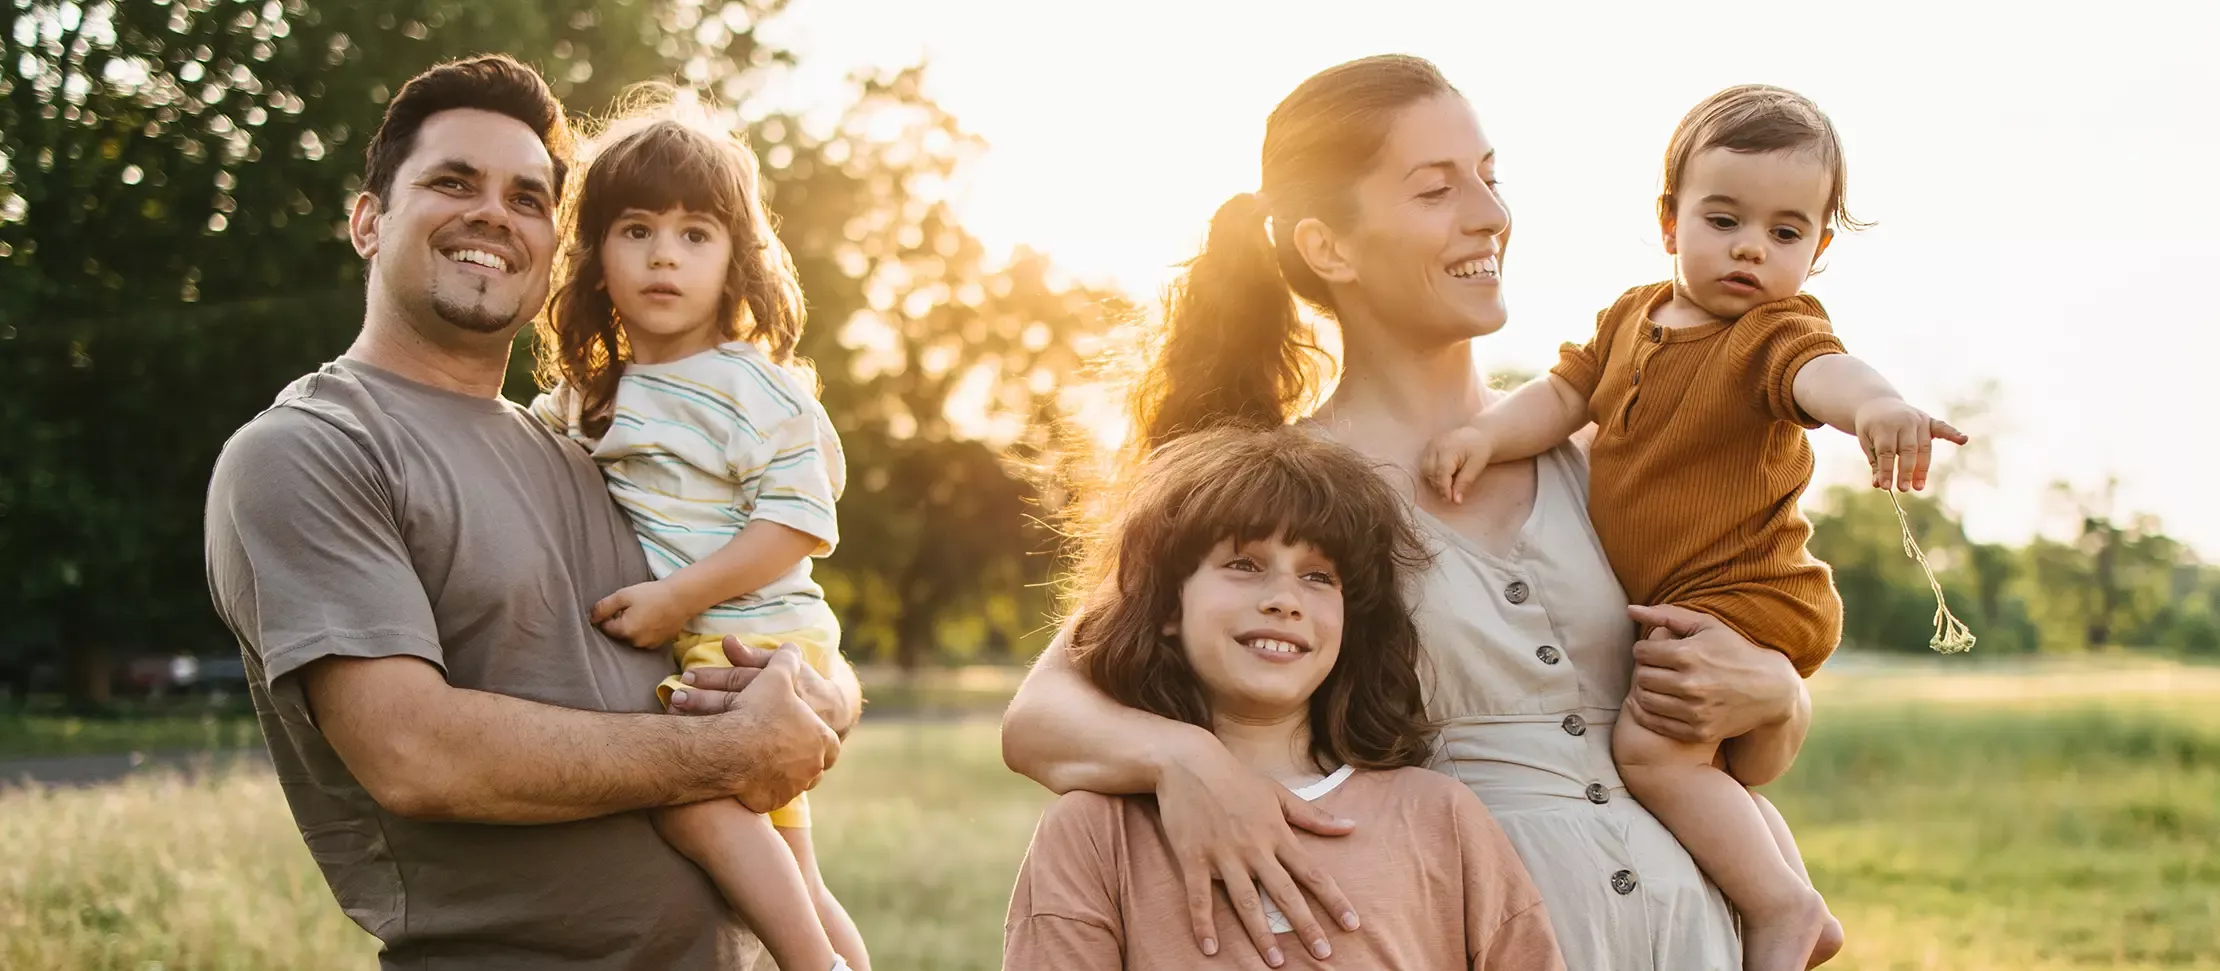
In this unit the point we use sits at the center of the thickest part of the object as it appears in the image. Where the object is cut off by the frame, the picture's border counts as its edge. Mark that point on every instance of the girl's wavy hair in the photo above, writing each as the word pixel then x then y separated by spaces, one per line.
pixel 1243 484
pixel 654 157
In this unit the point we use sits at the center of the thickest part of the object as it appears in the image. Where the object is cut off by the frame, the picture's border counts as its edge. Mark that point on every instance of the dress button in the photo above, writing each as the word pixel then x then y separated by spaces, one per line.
pixel 1577 726
pixel 1549 654
pixel 1596 792
pixel 1623 882
pixel 1516 592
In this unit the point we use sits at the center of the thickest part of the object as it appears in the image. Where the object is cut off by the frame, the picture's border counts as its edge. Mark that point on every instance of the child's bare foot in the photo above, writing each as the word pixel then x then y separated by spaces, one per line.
pixel 1783 938
pixel 1830 944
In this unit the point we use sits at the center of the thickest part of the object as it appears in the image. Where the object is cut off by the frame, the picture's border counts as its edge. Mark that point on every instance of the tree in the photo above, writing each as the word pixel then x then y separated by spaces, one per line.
pixel 935 363
pixel 174 178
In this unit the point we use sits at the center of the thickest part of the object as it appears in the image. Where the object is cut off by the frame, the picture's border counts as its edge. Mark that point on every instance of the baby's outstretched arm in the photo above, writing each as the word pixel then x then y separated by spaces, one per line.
pixel 1898 439
pixel 1534 419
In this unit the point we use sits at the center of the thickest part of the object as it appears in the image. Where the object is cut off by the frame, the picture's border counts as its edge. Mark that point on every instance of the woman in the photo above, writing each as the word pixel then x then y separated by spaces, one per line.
pixel 1378 188
pixel 1251 585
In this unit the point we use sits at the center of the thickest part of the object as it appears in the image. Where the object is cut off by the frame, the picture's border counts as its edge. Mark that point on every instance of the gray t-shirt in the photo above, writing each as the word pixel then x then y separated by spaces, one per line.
pixel 365 515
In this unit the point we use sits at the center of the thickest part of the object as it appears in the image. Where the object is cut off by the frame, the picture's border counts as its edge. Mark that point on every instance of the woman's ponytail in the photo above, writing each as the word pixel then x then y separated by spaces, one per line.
pixel 1234 350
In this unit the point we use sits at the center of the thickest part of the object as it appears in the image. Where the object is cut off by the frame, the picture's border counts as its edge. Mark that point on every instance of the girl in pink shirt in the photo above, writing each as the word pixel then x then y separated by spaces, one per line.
pixel 1250 586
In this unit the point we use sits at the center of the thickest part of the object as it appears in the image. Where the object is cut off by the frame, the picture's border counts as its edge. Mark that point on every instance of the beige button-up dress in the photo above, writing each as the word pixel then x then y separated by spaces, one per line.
pixel 1530 656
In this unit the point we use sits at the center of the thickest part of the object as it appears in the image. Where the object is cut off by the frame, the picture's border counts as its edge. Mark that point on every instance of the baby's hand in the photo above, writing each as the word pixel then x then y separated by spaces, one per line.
pixel 643 614
pixel 1455 460
pixel 1899 442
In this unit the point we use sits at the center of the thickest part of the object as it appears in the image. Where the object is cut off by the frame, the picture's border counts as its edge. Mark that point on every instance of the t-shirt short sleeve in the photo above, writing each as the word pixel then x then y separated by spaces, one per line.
pixel 801 467
pixel 1581 365
pixel 1064 911
pixel 1773 345
pixel 557 409
pixel 305 557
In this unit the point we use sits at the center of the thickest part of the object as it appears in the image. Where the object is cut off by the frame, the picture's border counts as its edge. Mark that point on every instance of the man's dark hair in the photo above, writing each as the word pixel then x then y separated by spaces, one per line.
pixel 493 82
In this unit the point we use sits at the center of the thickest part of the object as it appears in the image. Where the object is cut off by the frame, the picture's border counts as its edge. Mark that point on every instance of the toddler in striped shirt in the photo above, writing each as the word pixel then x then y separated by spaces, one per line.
pixel 669 352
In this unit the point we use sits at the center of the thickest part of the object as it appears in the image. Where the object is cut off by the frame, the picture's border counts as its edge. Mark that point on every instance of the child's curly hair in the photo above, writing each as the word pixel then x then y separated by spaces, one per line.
pixel 655 163
pixel 1247 484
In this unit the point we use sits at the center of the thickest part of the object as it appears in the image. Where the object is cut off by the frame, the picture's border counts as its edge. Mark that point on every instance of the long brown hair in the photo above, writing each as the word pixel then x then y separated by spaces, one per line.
pixel 1247 484
pixel 661 164
pixel 1233 346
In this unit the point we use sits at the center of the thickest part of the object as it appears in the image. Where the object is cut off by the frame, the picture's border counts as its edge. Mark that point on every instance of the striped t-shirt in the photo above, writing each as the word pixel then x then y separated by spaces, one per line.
pixel 701 446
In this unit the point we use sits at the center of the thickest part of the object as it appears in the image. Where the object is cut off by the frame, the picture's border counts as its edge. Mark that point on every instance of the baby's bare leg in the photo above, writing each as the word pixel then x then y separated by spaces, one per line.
pixel 756 872
pixel 1830 936
pixel 1715 818
pixel 846 939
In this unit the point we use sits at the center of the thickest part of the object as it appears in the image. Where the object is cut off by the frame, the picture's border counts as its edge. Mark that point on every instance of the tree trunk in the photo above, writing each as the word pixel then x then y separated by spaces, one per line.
pixel 913 630
pixel 88 674
pixel 2108 589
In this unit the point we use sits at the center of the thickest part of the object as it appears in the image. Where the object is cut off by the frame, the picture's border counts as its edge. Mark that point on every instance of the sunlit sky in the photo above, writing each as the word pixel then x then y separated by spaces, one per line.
pixel 2043 183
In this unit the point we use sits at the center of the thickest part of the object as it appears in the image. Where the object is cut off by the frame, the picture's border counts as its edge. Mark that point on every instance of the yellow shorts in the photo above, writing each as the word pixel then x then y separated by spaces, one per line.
pixel 819 646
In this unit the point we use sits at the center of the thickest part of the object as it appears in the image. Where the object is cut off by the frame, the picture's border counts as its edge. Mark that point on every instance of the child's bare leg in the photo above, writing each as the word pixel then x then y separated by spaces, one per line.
pixel 1830 935
pixel 1714 817
pixel 846 939
pixel 756 873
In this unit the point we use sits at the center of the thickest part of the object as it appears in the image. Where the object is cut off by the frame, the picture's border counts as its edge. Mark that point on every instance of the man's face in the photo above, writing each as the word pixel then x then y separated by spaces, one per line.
pixel 466 234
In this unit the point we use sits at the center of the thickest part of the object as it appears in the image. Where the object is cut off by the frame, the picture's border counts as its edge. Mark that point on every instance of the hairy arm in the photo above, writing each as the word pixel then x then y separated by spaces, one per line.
pixel 428 750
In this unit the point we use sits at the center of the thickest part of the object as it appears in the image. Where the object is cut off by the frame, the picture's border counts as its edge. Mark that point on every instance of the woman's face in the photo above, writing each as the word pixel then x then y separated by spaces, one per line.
pixel 1423 256
pixel 1261 624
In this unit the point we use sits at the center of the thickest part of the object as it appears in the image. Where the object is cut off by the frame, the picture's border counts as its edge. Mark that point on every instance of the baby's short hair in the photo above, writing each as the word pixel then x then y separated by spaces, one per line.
pixel 1759 118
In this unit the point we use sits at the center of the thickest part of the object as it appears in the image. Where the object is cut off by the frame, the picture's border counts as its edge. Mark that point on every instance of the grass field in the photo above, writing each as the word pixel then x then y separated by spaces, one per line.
pixel 2056 819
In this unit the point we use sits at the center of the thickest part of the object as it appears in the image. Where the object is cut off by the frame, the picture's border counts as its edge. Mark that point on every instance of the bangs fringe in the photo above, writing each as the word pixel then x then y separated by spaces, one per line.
pixel 663 166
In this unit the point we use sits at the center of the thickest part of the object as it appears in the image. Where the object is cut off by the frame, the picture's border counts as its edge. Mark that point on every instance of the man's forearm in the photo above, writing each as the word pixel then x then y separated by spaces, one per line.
pixel 428 750
pixel 1065 734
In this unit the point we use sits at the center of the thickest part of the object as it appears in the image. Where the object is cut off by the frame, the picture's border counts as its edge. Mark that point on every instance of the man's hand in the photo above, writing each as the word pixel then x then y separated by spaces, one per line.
pixel 1227 823
pixel 644 614
pixel 1454 461
pixel 712 690
pixel 791 746
pixel 1899 442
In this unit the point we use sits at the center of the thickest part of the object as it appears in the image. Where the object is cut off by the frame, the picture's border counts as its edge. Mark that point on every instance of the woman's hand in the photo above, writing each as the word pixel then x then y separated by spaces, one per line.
pixel 1696 680
pixel 1227 823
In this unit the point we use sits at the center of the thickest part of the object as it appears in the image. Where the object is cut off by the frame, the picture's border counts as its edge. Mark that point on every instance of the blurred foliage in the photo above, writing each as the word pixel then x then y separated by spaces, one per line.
pixel 174 177
pixel 2104 578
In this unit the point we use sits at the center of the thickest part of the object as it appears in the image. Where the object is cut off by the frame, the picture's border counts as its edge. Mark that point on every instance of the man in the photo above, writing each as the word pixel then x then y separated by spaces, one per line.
pixel 409 562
